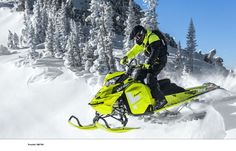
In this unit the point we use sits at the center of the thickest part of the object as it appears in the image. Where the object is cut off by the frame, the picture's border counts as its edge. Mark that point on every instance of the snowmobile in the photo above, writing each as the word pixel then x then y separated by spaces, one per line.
pixel 121 96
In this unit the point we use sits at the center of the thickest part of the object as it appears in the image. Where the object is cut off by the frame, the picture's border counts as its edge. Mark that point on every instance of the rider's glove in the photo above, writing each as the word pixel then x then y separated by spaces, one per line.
pixel 146 66
pixel 124 60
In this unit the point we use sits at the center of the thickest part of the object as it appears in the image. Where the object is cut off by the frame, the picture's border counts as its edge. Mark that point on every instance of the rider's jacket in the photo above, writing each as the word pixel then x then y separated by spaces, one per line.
pixel 152 47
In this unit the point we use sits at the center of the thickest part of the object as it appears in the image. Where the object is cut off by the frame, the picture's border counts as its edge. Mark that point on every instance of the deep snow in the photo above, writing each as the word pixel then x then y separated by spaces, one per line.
pixel 36 102
pixel 40 108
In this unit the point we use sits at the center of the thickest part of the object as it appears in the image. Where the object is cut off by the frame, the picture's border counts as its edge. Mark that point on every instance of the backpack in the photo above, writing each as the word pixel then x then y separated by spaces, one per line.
pixel 162 38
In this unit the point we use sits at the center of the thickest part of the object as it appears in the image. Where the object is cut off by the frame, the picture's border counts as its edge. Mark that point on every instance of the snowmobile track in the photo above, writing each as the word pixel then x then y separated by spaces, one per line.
pixel 171 118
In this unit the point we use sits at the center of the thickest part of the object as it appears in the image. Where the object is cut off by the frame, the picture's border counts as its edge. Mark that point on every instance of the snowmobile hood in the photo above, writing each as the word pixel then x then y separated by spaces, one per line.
pixel 104 105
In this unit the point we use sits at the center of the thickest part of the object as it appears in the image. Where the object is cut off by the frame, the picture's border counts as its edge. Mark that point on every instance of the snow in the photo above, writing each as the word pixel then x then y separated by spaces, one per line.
pixel 34 105
pixel 37 101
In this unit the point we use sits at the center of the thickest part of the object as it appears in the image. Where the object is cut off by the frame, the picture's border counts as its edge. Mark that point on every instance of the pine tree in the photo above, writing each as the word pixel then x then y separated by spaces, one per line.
pixel 78 28
pixel 93 19
pixel 21 41
pixel 88 57
pixel 16 40
pixel 20 5
pixel 179 59
pixel 26 29
pixel 33 55
pixel 72 57
pixel 57 43
pixel 38 26
pixel 44 22
pixel 44 18
pixel 130 23
pixel 191 45
pixel 109 35
pixel 49 48
pixel 150 16
pixel 10 42
pixel 29 6
pixel 69 58
pixel 91 47
pixel 63 25
pixel 105 61
pixel 51 8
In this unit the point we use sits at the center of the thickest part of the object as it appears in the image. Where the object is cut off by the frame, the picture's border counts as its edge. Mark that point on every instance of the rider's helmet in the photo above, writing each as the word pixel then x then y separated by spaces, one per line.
pixel 138 33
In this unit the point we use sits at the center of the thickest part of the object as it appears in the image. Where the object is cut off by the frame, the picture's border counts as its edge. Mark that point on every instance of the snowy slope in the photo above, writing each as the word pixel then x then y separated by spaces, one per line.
pixel 40 108
pixel 36 102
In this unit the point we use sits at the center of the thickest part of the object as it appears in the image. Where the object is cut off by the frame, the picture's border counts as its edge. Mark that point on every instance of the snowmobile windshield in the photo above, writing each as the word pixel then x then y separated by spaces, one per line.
pixel 112 81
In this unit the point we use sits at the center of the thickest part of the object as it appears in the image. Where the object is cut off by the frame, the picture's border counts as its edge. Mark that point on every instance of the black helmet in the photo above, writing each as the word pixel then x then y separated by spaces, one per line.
pixel 138 33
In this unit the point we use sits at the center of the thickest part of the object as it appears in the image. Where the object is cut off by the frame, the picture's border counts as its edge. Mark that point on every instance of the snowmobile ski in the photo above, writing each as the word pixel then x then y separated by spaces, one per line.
pixel 78 125
pixel 116 129
pixel 98 125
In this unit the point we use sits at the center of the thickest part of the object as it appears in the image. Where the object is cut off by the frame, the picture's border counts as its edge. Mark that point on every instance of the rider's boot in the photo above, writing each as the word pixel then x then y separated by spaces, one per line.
pixel 159 104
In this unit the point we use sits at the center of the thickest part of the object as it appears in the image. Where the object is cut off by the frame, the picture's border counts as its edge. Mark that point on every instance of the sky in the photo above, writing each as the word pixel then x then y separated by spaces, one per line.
pixel 214 21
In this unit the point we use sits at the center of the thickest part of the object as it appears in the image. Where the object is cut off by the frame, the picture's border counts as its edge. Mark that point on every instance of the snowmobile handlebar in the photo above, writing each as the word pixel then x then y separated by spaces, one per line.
pixel 132 66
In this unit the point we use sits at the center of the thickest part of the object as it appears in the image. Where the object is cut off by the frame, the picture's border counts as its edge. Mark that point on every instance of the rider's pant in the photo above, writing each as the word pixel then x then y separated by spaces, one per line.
pixel 152 82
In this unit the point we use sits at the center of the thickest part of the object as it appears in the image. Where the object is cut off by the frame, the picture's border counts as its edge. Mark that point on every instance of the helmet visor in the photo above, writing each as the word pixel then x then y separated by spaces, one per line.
pixel 139 37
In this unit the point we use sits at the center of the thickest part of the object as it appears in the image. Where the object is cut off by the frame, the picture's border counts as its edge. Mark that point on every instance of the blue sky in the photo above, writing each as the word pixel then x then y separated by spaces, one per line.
pixel 214 20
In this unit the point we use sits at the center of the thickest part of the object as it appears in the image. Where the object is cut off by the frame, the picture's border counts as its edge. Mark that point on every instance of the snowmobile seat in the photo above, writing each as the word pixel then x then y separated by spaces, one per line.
pixel 169 88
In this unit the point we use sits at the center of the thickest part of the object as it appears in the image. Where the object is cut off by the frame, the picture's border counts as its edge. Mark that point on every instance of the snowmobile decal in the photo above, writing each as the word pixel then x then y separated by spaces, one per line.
pixel 133 99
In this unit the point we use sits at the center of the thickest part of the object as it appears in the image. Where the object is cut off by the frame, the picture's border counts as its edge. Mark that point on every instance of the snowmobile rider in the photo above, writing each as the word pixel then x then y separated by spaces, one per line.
pixel 156 51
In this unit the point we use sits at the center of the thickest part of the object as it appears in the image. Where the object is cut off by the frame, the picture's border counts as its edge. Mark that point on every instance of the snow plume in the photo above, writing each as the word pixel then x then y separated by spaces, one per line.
pixel 39 110
pixel 188 80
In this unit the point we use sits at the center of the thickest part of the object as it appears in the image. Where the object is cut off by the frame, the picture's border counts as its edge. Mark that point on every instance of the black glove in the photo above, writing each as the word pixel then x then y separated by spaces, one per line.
pixel 124 60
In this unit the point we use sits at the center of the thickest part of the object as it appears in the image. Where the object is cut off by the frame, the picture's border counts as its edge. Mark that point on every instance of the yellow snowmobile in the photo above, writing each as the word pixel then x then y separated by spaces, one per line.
pixel 121 95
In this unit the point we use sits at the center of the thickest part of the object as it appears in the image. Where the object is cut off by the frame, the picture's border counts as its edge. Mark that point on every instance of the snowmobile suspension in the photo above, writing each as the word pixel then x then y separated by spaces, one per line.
pixel 118 115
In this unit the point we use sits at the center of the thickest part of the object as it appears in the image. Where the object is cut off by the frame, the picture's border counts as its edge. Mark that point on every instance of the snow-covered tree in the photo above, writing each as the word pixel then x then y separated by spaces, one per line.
pixel 16 40
pixel 191 45
pixel 91 46
pixel 179 60
pixel 44 21
pixel 10 42
pixel 101 62
pixel 109 35
pixel 57 43
pixel 105 61
pixel 73 59
pixel 26 29
pixel 49 48
pixel 38 26
pixel 20 5
pixel 29 6
pixel 150 16
pixel 88 57
pixel 21 41
pixel 51 8
pixel 130 23
pixel 63 25
pixel 32 39
pixel 32 44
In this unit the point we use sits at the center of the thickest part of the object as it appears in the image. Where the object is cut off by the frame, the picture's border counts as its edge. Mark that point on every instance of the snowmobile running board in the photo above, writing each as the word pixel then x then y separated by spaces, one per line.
pixel 196 91
pixel 97 125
